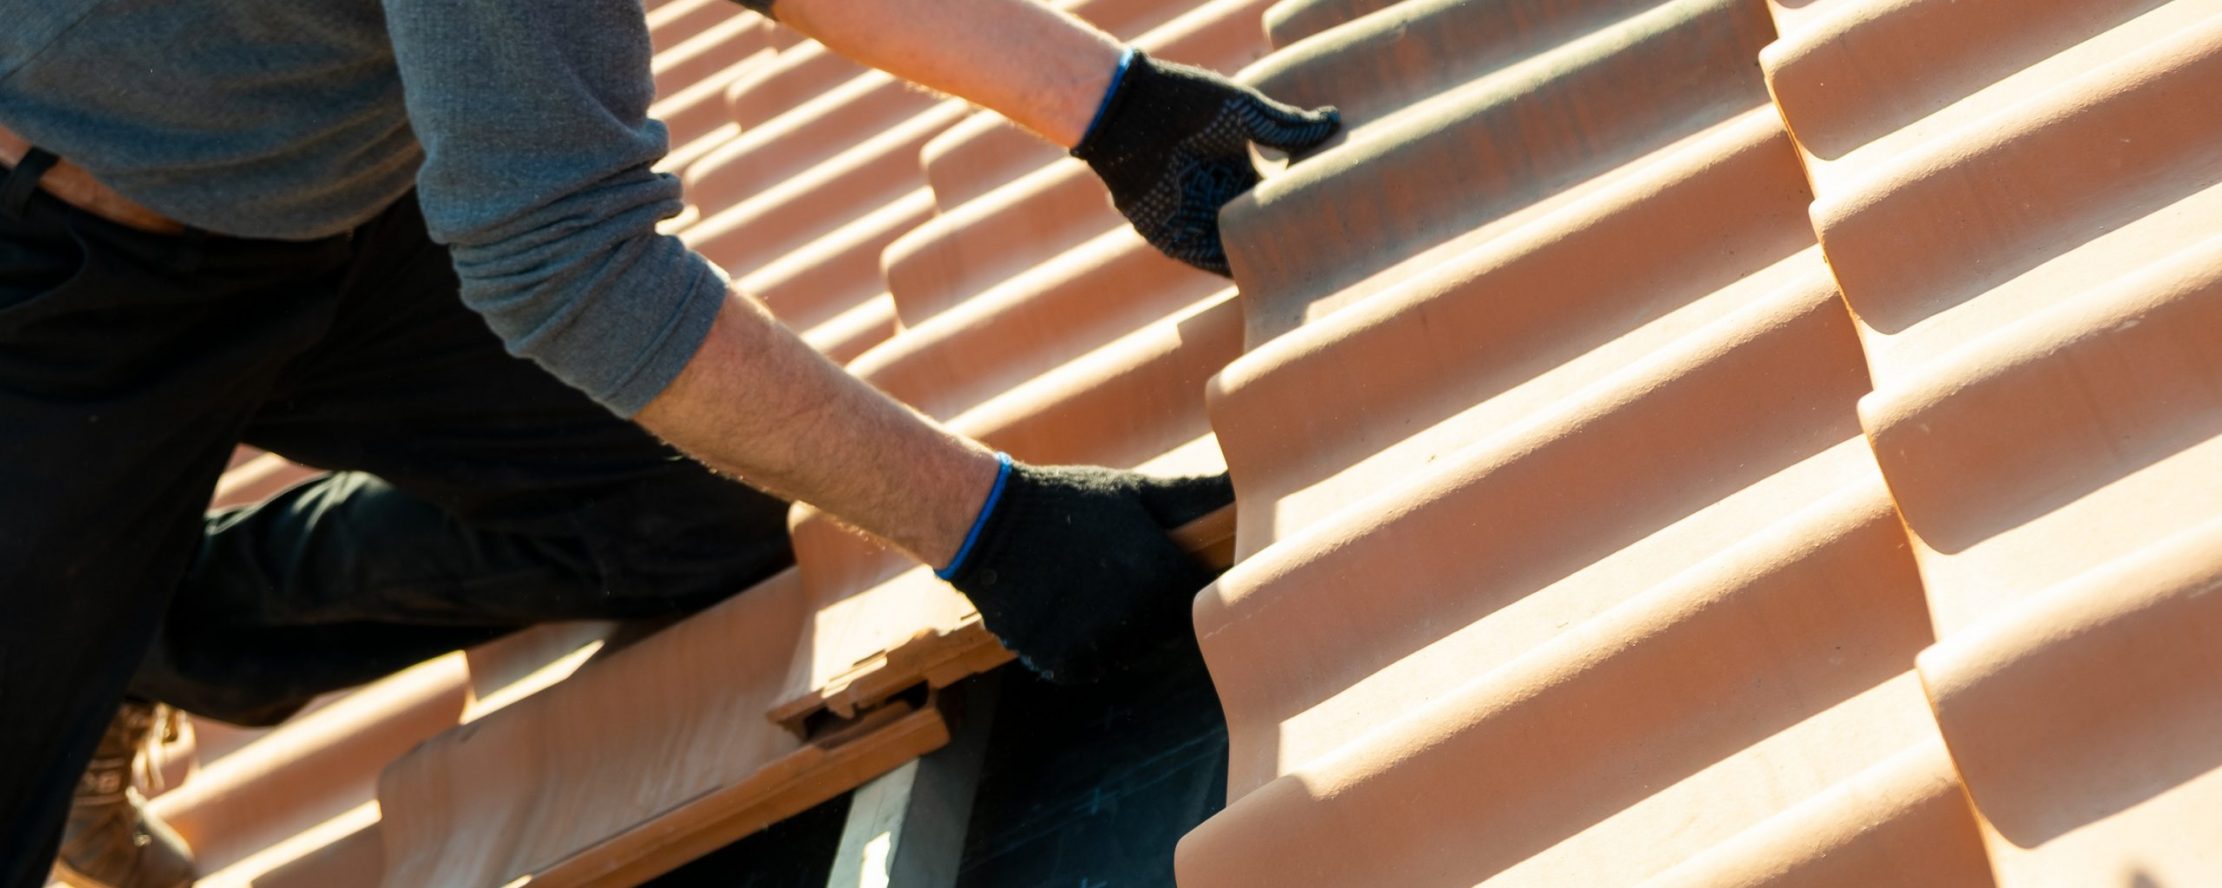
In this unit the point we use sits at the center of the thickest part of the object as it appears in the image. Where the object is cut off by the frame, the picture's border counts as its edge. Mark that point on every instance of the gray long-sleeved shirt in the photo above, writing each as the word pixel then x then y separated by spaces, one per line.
pixel 522 125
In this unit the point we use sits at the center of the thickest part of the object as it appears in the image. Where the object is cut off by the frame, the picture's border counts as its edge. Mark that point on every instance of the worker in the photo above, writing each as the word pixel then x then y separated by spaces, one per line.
pixel 414 242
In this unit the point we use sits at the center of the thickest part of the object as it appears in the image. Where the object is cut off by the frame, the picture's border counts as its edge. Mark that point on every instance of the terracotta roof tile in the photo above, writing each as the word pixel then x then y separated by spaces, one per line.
pixel 976 156
pixel 281 797
pixel 665 751
pixel 672 22
pixel 1457 167
pixel 971 248
pixel 359 858
pixel 699 59
pixel 802 136
pixel 312 770
pixel 792 211
pixel 1029 324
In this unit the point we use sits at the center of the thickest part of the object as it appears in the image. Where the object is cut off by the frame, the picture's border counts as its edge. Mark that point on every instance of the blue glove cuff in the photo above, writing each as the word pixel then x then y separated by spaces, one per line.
pixel 1118 75
pixel 1002 474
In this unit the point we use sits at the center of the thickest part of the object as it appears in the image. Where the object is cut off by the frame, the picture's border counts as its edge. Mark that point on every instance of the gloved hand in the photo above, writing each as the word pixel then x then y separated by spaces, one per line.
pixel 1072 569
pixel 1172 143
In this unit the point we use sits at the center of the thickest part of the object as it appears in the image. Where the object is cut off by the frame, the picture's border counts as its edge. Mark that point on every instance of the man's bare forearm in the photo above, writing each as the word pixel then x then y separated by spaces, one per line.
pixel 1071 567
pixel 759 404
pixel 1040 67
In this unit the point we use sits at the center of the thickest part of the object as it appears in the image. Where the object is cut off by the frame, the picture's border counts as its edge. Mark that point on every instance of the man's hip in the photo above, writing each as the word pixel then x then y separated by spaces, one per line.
pixel 72 185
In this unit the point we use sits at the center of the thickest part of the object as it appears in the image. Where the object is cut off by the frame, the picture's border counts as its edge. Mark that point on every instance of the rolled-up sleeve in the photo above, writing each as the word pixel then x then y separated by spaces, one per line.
pixel 537 176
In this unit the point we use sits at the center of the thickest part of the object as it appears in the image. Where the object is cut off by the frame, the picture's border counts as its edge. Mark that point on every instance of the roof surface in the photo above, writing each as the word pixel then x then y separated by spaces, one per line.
pixel 1678 442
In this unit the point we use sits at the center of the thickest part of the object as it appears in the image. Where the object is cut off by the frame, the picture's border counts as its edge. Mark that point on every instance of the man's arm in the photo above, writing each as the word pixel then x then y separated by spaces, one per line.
pixel 1042 68
pixel 811 432
pixel 538 176
pixel 759 404
pixel 1071 568
pixel 1171 142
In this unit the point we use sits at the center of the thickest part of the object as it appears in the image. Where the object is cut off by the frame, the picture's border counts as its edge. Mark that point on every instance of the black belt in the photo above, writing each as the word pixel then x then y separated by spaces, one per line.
pixel 23 181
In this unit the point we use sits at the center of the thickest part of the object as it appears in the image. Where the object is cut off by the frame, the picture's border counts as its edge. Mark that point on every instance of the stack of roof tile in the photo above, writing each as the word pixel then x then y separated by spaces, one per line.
pixel 1572 545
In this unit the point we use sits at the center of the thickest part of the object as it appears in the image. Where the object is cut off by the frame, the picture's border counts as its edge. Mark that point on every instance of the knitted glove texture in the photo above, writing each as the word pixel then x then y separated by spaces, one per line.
pixel 1074 572
pixel 1172 144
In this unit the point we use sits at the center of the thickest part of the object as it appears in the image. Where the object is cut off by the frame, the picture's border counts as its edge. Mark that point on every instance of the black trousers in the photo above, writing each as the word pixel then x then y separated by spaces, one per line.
pixel 473 493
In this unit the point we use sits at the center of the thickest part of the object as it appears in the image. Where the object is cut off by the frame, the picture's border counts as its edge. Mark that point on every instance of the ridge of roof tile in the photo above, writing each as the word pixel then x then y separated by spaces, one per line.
pixel 1292 20
pixel 1530 490
pixel 1548 314
pixel 795 78
pixel 1455 167
pixel 836 273
pixel 1624 743
pixel 1023 327
pixel 1904 822
pixel 716 48
pixel 802 136
pixel 979 155
pixel 2078 719
pixel 697 113
pixel 969 249
pixel 672 22
pixel 791 212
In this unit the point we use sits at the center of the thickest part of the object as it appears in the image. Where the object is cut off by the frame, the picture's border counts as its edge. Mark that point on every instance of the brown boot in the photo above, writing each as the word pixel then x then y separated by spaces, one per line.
pixel 110 840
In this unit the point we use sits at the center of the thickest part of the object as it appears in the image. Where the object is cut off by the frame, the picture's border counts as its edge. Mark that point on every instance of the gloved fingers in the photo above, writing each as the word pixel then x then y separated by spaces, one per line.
pixel 1190 232
pixel 1173 502
pixel 1287 127
pixel 1213 261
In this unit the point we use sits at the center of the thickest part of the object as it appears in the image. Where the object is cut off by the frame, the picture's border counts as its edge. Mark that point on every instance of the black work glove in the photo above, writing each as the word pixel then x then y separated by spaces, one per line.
pixel 1073 570
pixel 1172 143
